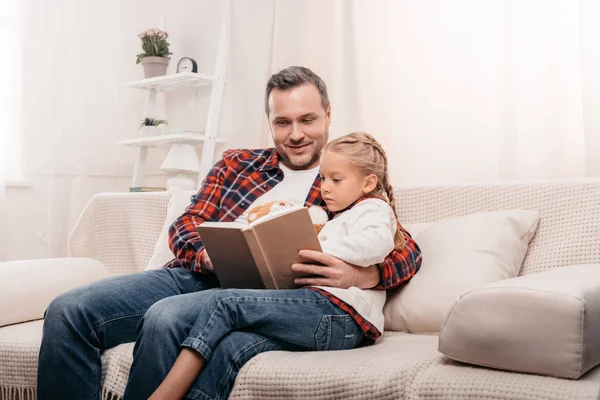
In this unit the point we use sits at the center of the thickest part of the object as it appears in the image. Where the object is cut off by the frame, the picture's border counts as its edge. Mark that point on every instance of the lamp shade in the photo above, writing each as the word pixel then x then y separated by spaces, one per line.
pixel 181 158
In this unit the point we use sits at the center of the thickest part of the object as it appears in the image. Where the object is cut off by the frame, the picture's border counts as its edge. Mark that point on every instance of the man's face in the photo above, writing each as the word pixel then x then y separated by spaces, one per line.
pixel 299 125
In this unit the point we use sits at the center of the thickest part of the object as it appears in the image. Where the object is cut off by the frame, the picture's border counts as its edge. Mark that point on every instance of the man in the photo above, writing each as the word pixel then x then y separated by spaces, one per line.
pixel 82 323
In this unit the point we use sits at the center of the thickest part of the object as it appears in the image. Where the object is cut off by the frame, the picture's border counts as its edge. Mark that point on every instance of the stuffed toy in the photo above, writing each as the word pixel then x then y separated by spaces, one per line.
pixel 267 208
pixel 319 217
pixel 317 214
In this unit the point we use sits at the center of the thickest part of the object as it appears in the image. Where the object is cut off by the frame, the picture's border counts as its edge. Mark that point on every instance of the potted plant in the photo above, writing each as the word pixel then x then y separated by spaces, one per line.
pixel 149 126
pixel 155 57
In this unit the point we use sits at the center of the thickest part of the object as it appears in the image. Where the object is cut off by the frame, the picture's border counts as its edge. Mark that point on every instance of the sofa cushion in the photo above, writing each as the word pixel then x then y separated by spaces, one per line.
pixel 544 323
pixel 459 254
pixel 398 366
pixel 381 368
pixel 28 286
pixel 162 254
pixel 19 348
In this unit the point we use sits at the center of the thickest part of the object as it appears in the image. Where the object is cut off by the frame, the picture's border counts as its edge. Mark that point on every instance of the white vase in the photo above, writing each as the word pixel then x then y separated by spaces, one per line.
pixel 155 66
pixel 149 131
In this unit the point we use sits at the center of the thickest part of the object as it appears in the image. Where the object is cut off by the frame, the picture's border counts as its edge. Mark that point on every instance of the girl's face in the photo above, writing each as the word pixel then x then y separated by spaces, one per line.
pixel 341 183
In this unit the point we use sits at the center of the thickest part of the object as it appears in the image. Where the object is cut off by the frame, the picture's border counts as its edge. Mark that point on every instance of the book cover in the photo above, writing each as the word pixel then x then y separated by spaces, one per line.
pixel 259 255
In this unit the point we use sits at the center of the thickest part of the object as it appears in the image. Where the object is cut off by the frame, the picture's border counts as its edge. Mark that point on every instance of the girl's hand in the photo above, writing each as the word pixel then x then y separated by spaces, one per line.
pixel 334 272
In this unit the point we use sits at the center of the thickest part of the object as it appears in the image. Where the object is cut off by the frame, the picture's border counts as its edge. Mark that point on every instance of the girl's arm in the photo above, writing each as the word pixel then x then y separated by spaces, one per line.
pixel 370 227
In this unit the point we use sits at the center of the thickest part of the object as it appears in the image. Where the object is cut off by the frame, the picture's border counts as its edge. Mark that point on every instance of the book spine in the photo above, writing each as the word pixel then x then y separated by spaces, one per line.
pixel 259 259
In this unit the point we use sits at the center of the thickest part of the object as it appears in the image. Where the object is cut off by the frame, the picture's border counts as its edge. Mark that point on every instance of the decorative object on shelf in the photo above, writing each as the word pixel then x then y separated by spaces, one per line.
pixel 155 57
pixel 149 126
pixel 182 159
pixel 139 189
pixel 187 64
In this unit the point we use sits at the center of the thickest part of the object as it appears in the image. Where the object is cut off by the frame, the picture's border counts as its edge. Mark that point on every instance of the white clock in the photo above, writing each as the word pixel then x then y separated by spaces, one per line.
pixel 187 64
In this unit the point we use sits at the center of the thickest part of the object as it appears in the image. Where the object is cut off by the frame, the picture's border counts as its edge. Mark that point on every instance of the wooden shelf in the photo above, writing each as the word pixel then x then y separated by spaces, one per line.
pixel 167 140
pixel 165 83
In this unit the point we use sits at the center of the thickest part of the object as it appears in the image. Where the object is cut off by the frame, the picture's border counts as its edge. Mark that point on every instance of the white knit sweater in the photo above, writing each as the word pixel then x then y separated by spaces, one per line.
pixel 362 235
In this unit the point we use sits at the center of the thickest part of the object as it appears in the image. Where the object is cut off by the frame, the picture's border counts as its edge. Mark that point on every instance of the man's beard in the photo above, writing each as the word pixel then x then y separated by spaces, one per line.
pixel 290 162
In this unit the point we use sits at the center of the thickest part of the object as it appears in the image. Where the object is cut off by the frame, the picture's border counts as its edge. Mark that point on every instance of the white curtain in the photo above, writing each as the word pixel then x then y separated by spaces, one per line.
pixel 2 202
pixel 461 91
pixel 76 105
pixel 10 118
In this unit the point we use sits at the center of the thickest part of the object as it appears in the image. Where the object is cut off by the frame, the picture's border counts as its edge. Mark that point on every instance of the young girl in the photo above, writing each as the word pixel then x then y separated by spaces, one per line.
pixel 362 230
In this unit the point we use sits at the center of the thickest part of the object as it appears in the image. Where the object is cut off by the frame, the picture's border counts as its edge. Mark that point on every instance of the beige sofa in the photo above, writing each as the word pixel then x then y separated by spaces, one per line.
pixel 121 230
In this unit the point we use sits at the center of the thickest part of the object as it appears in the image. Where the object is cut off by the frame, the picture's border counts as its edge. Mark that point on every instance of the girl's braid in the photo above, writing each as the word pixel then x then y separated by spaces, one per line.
pixel 386 185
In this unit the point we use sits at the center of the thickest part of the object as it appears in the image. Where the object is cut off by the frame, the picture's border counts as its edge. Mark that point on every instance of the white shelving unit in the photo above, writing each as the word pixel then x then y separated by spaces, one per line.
pixel 167 140
pixel 166 83
pixel 186 81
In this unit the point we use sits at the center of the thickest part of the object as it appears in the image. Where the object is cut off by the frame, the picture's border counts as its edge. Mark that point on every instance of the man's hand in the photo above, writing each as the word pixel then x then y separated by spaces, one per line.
pixel 207 262
pixel 334 272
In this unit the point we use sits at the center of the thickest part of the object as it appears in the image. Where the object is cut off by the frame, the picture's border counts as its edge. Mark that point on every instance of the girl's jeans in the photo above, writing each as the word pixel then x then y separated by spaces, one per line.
pixel 163 310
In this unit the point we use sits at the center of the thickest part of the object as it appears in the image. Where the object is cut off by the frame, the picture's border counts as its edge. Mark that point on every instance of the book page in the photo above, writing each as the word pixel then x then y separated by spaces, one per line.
pixel 231 257
pixel 275 214
pixel 232 225
pixel 280 239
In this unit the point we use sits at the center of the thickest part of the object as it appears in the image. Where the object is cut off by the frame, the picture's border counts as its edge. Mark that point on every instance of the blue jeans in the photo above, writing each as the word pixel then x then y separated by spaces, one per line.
pixel 164 309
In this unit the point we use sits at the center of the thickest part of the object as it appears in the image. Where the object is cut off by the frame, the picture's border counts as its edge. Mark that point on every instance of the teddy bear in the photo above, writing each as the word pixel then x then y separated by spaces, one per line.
pixel 267 208
pixel 317 214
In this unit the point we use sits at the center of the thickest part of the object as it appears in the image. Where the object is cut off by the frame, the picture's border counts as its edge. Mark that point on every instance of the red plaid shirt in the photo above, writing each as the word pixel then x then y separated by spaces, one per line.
pixel 232 185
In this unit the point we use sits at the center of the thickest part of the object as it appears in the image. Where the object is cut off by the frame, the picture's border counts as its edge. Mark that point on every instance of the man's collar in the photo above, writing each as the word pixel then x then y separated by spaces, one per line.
pixel 271 162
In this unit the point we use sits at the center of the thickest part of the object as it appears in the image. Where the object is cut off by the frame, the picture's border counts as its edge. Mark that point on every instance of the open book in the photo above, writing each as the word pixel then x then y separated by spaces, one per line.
pixel 259 255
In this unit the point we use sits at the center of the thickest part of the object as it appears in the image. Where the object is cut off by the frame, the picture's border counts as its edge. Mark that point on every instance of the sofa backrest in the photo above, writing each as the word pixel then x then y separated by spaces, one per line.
pixel 121 229
pixel 569 229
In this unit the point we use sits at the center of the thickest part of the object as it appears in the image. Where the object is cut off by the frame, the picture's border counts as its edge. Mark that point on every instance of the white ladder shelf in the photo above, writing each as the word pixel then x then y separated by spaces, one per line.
pixel 186 80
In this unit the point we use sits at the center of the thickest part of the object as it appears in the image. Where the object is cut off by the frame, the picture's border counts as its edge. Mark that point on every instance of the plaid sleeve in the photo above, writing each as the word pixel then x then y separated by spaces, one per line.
pixel 184 240
pixel 400 266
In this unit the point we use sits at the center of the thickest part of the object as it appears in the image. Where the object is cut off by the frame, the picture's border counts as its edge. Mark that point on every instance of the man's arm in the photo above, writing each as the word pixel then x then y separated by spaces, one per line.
pixel 399 266
pixel 184 240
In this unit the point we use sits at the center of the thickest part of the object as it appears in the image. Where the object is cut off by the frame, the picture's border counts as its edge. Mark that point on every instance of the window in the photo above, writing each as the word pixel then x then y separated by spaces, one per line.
pixel 11 151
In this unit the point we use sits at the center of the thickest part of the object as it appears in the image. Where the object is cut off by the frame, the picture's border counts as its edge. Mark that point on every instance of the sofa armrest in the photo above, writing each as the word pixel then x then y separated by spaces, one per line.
pixel 544 323
pixel 120 229
pixel 27 287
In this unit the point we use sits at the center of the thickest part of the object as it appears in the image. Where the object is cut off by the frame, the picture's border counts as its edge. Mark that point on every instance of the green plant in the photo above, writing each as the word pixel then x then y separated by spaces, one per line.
pixel 154 44
pixel 152 122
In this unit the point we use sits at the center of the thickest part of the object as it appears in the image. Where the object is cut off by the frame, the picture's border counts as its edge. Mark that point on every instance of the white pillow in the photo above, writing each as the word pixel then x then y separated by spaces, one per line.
pixel 459 255
pixel 545 323
pixel 162 254
pixel 28 286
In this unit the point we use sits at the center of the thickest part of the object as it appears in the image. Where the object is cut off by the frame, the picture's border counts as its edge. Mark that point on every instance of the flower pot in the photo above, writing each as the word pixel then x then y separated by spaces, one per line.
pixel 149 131
pixel 155 66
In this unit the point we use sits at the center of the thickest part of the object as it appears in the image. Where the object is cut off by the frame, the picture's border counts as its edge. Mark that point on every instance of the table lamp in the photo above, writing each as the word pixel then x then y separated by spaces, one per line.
pixel 181 160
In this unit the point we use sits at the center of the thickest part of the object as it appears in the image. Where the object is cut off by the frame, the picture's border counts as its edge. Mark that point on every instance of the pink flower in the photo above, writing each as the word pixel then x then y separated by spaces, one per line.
pixel 154 32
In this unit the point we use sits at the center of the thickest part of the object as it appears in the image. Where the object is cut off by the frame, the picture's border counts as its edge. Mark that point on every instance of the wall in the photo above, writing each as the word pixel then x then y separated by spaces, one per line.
pixel 464 92
pixel 78 55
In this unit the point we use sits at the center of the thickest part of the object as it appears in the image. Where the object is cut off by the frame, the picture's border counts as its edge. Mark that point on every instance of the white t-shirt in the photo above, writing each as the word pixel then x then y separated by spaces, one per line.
pixel 294 188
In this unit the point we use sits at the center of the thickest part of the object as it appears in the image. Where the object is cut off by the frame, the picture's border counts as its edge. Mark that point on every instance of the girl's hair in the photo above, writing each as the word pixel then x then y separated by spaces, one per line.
pixel 366 154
